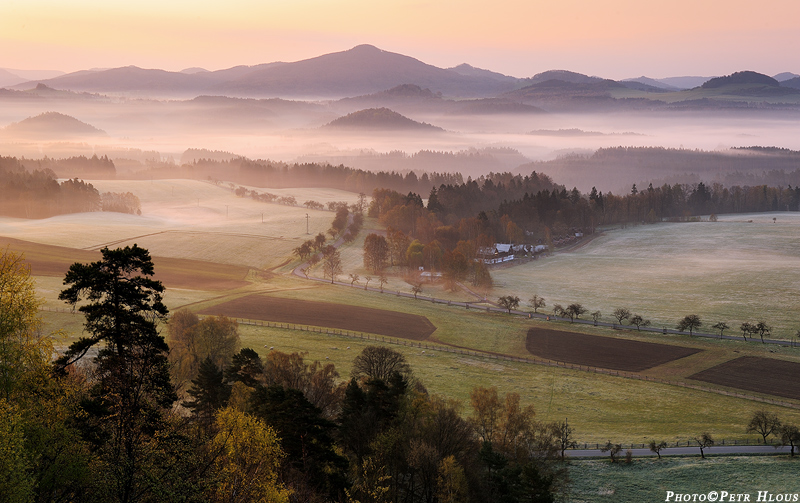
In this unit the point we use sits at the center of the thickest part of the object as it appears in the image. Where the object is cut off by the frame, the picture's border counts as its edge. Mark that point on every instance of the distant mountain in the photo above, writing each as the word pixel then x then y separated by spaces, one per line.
pixel 29 75
pixel 131 79
pixel 470 71
pixel 564 76
pixel 364 69
pixel 651 83
pixel 791 83
pixel 194 70
pixel 379 119
pixel 748 84
pixel 781 77
pixel 558 95
pixel 738 78
pixel 361 70
pixel 135 80
pixel 8 79
pixel 53 124
pixel 684 82
pixel 640 86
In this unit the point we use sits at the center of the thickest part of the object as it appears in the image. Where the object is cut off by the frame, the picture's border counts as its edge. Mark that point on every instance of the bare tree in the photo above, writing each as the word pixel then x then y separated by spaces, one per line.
pixel 790 435
pixel 379 362
pixel 762 329
pixel 705 441
pixel 536 302
pixel 508 302
pixel 354 279
pixel 574 311
pixel 764 423
pixel 639 321
pixel 596 316
pixel 689 322
pixel 612 449
pixel 721 326
pixel 657 447
pixel 564 435
pixel 331 262
pixel 558 310
pixel 367 279
pixel 382 280
pixel 621 313
pixel 746 328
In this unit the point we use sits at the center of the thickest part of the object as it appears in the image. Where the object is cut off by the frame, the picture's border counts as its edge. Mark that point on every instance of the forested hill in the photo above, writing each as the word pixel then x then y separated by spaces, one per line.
pixel 617 168
pixel 37 193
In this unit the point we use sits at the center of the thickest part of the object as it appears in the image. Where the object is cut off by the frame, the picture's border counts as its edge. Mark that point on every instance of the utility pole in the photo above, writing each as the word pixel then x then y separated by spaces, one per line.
pixel 307 223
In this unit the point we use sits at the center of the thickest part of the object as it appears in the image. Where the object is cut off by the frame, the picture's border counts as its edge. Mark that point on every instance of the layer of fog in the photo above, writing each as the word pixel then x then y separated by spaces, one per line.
pixel 146 130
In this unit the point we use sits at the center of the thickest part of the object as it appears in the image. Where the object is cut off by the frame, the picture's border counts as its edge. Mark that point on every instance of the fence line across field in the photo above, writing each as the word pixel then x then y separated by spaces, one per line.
pixel 534 361
pixel 518 359
pixel 467 352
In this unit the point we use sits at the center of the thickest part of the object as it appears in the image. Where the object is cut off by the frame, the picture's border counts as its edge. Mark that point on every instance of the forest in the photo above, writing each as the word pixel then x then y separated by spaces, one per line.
pixel 128 415
pixel 38 193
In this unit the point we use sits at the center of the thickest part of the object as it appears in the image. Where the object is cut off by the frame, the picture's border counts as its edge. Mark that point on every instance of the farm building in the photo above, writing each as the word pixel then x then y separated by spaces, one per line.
pixel 504 252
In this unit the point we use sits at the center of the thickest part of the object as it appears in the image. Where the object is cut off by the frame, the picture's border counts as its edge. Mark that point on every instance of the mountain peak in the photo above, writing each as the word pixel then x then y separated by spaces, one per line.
pixel 378 119
pixel 365 48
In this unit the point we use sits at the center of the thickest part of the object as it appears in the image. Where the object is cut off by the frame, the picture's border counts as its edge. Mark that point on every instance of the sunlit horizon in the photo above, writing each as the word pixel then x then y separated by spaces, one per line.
pixel 616 39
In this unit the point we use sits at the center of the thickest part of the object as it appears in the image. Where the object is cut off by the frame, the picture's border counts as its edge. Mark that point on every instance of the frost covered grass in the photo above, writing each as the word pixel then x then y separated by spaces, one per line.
pixel 741 268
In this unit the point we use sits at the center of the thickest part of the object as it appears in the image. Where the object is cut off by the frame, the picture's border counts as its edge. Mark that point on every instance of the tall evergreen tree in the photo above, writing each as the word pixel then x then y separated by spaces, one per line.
pixel 132 392
pixel 209 391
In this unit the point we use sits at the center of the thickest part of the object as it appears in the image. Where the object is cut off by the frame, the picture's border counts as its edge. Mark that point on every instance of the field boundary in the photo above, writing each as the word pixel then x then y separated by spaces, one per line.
pixel 486 354
pixel 495 356
pixel 491 307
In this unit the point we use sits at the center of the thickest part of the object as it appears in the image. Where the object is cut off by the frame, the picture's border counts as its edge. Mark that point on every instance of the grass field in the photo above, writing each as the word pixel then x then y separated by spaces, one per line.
pixel 741 268
pixel 648 479
pixel 188 219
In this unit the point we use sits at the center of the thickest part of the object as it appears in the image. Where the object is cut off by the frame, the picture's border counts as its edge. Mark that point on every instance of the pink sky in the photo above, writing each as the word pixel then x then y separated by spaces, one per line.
pixel 613 38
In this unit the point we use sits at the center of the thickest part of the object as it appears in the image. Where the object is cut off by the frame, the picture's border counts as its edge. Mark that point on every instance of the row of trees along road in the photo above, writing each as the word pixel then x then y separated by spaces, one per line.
pixel 109 421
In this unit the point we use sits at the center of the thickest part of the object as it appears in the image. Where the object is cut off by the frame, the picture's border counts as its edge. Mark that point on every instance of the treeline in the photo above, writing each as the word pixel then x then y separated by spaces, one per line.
pixel 72 167
pixel 461 223
pixel 199 419
pixel 559 210
pixel 622 166
pixel 274 174
pixel 38 194
pixel 472 161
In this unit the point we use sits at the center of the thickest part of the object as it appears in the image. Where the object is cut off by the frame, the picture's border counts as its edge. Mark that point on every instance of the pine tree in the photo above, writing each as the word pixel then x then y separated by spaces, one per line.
pixel 209 390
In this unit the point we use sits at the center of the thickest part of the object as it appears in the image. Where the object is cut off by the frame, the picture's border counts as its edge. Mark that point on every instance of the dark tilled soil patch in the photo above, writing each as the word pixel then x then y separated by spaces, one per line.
pixel 602 352
pixel 48 260
pixel 325 314
pixel 753 373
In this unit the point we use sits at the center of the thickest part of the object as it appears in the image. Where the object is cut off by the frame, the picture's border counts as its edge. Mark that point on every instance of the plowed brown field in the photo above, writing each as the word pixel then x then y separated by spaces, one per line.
pixel 325 314
pixel 753 373
pixel 602 352
pixel 48 260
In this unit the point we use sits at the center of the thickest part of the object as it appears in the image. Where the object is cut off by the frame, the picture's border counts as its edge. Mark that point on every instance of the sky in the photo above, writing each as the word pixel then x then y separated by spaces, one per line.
pixel 612 38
